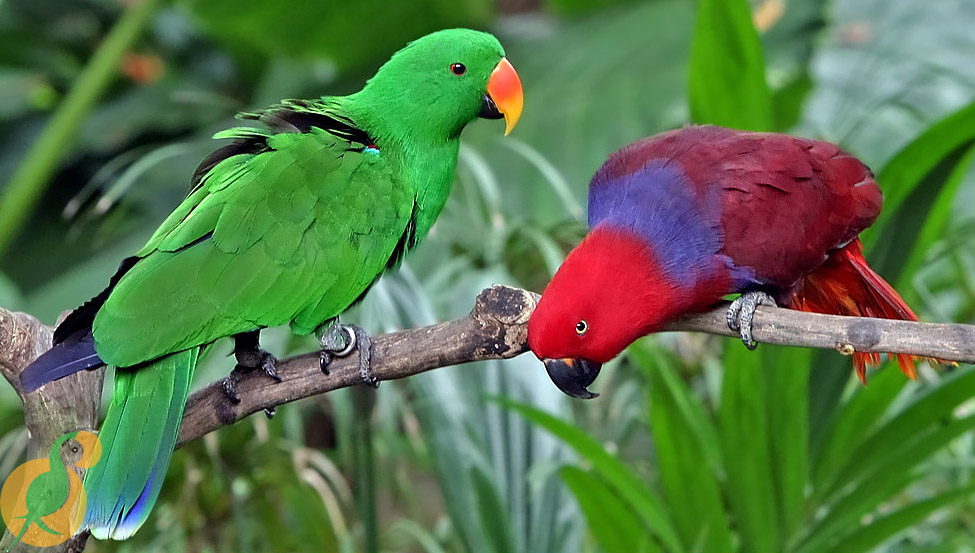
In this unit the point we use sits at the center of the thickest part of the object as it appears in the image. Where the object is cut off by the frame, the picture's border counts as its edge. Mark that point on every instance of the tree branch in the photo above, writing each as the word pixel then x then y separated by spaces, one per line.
pixel 847 335
pixel 495 329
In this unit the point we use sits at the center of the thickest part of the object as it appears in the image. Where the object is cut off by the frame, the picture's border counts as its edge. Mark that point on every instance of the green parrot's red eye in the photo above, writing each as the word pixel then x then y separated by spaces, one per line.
pixel 581 327
pixel 458 68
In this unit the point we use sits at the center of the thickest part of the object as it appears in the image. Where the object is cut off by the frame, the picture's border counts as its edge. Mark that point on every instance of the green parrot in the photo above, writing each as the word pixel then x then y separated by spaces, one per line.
pixel 285 226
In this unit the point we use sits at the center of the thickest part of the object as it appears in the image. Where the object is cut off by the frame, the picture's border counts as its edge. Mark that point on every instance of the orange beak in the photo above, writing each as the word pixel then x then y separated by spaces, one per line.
pixel 504 88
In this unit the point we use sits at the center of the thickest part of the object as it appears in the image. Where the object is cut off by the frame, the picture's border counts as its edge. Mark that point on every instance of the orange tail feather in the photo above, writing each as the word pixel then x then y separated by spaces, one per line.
pixel 846 285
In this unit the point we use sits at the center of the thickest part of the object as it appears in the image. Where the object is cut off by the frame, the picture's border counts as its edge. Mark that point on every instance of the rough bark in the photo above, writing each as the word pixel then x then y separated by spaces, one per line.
pixel 57 408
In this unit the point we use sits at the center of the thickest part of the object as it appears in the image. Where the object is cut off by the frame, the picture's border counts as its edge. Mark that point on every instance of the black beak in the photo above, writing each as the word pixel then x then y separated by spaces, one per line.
pixel 573 376
pixel 489 110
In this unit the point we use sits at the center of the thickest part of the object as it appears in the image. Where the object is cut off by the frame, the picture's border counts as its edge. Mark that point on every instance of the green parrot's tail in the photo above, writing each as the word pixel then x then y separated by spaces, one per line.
pixel 137 437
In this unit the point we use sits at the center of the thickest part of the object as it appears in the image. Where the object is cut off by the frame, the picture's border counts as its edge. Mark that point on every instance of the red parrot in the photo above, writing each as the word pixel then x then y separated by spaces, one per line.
pixel 681 219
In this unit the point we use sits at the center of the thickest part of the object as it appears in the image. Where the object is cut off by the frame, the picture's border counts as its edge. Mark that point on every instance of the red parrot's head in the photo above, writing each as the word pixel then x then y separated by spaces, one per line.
pixel 608 292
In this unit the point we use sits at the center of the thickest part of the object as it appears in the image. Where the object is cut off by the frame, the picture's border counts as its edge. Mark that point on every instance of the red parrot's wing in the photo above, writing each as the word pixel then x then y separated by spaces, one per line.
pixel 781 203
pixel 788 202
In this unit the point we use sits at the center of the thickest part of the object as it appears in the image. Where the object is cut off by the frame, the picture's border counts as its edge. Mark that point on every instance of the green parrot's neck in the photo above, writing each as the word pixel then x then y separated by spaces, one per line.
pixel 425 152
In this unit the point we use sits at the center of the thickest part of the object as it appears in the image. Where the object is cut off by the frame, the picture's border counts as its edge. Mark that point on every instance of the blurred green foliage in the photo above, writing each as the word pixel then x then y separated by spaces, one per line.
pixel 695 443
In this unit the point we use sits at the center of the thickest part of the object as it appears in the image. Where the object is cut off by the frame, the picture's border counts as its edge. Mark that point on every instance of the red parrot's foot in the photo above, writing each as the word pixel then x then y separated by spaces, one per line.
pixel 742 311
pixel 250 356
pixel 340 341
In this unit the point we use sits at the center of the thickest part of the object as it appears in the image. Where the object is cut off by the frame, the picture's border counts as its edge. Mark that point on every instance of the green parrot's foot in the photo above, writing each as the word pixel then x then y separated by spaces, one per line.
pixel 342 340
pixel 250 356
pixel 336 341
pixel 364 347
pixel 742 311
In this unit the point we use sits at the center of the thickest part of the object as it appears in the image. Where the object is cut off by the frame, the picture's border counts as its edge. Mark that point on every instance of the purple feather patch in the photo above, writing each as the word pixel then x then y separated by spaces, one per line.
pixel 658 203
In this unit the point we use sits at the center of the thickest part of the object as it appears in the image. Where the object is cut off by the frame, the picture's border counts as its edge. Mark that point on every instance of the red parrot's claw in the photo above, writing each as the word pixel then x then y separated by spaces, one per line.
pixel 742 312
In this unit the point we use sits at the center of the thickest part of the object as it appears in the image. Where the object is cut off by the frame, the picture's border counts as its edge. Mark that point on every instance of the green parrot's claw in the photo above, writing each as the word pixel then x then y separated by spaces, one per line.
pixel 364 345
pixel 353 338
pixel 250 356
pixel 336 341
pixel 230 387
pixel 742 311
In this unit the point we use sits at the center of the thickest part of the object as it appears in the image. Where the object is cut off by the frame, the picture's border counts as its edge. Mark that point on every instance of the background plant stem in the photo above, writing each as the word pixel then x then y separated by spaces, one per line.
pixel 34 172
pixel 363 401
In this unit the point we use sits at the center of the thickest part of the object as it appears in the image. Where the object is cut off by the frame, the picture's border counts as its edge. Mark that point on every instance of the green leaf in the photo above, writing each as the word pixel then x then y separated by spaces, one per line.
pixel 744 430
pixel 417 534
pixel 787 399
pixel 851 425
pixel 884 527
pixel 921 220
pixel 787 101
pixel 657 363
pixel 641 498
pixel 727 68
pixel 610 518
pixel 468 437
pixel 930 407
pixel 10 297
pixel 932 229
pixel 830 376
pixel 914 163
pixel 492 512
pixel 685 441
pixel 919 186
pixel 863 496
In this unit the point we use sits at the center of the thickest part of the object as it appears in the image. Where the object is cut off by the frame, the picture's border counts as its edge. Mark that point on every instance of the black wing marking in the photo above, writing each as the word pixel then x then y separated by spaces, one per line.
pixel 250 145
pixel 77 325
pixel 302 115
pixel 292 116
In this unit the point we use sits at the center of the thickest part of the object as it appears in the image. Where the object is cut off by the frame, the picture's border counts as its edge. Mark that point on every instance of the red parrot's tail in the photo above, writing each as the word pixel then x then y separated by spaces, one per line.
pixel 846 285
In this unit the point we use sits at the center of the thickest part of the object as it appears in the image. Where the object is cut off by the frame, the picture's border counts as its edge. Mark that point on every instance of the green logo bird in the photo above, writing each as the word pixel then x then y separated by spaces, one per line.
pixel 48 492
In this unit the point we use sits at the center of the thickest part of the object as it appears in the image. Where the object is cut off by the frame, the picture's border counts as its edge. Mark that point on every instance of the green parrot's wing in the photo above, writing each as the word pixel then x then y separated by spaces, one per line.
pixel 247 143
pixel 291 232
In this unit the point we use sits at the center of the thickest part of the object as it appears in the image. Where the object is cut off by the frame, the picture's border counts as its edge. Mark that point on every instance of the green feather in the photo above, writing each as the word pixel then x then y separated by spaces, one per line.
pixel 137 437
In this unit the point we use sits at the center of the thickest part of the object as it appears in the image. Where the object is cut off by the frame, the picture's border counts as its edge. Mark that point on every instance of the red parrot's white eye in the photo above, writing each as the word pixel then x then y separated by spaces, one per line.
pixel 581 327
pixel 458 68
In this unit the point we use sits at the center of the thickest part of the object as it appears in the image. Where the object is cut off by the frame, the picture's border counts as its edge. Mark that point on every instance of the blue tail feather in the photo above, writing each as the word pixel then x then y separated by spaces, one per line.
pixel 138 437
pixel 63 359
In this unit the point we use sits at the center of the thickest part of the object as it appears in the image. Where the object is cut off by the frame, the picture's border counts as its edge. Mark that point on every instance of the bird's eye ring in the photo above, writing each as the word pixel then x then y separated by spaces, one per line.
pixel 581 327
pixel 458 69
